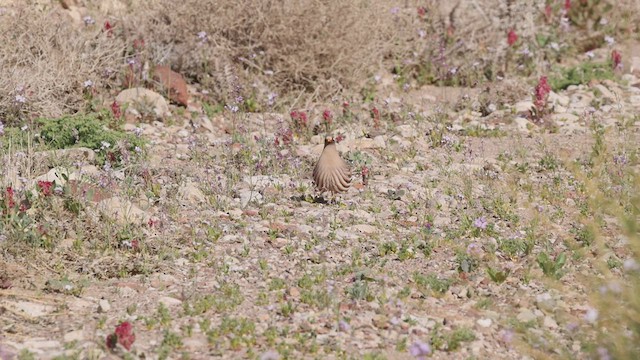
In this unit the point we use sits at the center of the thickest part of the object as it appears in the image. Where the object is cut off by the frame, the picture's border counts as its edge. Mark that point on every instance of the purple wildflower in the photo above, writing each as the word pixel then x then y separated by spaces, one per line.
pixel 420 350
pixel 480 223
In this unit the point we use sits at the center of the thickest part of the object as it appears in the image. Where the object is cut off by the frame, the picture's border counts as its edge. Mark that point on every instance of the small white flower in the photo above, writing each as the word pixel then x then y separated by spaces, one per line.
pixel 268 72
pixel 590 54
pixel 526 52
pixel 88 20
pixel 202 35
pixel 68 287
pixel 422 33
pixel 630 265
pixel 453 71
pixel 24 128
pixel 21 99
pixel 591 315
pixel 609 40
pixel 554 46
pixel 377 78
pixel 1 128
pixel 137 149
pixel 271 99
pixel 131 61
pixel 604 21
pixel 87 84
pixel 104 145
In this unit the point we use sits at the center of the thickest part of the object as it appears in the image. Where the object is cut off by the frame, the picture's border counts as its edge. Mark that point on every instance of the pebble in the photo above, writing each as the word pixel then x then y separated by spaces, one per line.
pixel 104 306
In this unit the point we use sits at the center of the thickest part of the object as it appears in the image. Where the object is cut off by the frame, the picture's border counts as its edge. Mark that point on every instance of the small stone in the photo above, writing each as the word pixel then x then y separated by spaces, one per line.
pixel 247 196
pixel 76 335
pixel 559 99
pixel 380 321
pixel 190 192
pixel 122 211
pixel 523 106
pixel 522 124
pixel 294 293
pixel 565 117
pixel 104 306
pixel 33 309
pixel 364 228
pixel 235 213
pixel 634 65
pixel 406 131
pixel 549 322
pixel 169 301
pixel 485 323
pixel 526 315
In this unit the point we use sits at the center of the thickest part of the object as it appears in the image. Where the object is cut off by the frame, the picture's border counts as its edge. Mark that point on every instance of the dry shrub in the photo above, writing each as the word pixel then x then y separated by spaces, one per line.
pixel 45 60
pixel 291 47
pixel 465 42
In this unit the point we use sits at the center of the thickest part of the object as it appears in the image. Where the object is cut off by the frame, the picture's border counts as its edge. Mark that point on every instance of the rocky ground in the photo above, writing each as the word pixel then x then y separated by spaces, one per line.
pixel 221 250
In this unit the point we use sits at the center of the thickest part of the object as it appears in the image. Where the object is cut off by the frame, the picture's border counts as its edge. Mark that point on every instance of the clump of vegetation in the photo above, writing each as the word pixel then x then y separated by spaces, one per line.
pixel 91 131
pixel 583 73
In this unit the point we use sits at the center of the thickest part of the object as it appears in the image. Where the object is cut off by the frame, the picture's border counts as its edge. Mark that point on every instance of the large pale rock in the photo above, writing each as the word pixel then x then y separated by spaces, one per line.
pixel 190 192
pixel 121 210
pixel 523 106
pixel 141 98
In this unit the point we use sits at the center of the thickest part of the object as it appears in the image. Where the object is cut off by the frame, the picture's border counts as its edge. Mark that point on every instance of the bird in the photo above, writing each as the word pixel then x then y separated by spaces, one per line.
pixel 331 173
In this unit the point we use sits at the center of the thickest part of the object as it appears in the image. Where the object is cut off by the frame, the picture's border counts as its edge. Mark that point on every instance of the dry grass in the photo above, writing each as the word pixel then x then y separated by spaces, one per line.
pixel 310 46
pixel 304 51
pixel 45 60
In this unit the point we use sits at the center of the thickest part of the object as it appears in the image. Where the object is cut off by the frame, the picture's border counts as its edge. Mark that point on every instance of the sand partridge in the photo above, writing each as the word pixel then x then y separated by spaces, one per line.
pixel 331 172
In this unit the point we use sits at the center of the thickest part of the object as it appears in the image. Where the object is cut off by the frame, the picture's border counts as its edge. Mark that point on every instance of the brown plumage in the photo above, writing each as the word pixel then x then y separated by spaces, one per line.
pixel 331 172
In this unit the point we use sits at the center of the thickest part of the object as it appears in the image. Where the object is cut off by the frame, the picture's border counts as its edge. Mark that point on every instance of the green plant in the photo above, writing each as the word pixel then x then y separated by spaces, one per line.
pixel 551 267
pixel 95 131
pixel 580 74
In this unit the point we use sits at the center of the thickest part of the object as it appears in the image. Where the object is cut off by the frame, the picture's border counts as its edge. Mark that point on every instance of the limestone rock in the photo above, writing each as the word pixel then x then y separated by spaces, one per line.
pixel 140 99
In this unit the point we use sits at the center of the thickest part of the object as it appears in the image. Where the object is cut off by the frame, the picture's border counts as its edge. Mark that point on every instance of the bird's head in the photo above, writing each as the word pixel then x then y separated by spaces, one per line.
pixel 329 140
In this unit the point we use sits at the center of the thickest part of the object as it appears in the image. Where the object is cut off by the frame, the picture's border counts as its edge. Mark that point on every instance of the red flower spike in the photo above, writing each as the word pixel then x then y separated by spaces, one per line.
pixel 45 187
pixel 138 44
pixel 10 201
pixel 567 4
pixel 512 37
pixel 327 116
pixel 422 11
pixel 123 335
pixel 108 28
pixel 542 92
pixel 115 110
pixel 616 59
pixel 376 113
